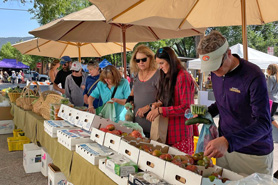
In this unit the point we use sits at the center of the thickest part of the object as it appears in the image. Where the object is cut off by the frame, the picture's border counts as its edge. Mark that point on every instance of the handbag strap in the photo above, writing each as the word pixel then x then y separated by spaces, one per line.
pixel 93 86
pixel 114 91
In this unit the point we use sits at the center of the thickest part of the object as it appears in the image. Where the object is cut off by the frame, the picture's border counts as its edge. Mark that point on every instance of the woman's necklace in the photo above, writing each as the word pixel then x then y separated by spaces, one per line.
pixel 147 74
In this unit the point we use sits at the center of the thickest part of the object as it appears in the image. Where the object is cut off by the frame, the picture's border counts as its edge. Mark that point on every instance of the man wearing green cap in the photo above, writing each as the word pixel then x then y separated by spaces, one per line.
pixel 245 143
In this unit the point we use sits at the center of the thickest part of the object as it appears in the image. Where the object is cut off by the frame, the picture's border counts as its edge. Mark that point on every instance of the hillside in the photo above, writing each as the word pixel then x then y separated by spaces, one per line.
pixel 12 40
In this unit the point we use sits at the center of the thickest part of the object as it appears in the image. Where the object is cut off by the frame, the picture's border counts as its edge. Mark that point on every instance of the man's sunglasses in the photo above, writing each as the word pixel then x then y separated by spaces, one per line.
pixel 223 59
pixel 142 59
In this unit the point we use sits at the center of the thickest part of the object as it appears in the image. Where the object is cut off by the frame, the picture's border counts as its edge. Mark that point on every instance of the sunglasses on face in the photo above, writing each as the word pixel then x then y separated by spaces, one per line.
pixel 142 59
pixel 223 59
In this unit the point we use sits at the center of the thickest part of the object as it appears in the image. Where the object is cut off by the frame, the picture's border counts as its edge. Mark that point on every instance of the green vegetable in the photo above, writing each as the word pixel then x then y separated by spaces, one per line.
pixel 211 178
pixel 198 109
pixel 197 120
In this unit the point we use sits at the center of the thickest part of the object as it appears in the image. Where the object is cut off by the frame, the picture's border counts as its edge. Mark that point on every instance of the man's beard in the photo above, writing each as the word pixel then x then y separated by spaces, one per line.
pixel 66 69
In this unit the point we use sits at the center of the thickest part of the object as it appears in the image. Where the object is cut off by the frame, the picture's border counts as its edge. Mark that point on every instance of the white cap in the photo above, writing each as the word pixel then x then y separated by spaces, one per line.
pixel 76 66
pixel 212 61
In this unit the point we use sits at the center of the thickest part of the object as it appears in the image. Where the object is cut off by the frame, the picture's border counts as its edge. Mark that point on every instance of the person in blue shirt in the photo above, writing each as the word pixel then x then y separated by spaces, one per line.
pixel 245 143
pixel 110 78
pixel 91 83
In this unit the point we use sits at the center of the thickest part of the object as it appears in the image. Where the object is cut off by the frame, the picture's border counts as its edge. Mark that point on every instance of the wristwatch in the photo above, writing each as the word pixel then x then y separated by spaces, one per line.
pixel 150 105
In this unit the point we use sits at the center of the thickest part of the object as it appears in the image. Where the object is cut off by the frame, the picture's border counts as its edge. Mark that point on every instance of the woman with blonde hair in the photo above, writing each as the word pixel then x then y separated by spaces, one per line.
pixel 111 87
pixel 146 77
pixel 272 88
pixel 53 72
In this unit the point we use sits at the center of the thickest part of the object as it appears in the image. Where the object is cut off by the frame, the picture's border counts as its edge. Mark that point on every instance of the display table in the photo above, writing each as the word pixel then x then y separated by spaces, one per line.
pixel 76 169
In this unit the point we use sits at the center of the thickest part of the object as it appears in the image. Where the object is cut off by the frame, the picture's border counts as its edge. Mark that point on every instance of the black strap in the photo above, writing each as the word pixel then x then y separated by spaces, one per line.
pixel 114 91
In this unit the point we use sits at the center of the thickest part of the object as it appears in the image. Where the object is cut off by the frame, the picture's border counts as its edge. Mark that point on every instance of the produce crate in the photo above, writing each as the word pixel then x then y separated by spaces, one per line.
pixel 16 143
pixel 18 133
pixel 196 138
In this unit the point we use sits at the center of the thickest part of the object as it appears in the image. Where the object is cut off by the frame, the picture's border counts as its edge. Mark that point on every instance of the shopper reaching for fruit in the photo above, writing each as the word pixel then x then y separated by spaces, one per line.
pixel 175 95
pixel 145 84
pixel 245 143
pixel 112 88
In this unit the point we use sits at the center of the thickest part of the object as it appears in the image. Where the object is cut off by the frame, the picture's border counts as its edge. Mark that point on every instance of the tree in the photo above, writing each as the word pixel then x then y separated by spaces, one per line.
pixel 9 52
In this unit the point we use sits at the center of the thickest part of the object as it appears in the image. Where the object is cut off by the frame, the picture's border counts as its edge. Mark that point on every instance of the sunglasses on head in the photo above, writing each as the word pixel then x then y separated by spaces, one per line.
pixel 142 59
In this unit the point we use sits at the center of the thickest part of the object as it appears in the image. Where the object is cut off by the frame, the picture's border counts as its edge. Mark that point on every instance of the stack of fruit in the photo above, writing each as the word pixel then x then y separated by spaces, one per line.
pixel 112 129
pixel 185 161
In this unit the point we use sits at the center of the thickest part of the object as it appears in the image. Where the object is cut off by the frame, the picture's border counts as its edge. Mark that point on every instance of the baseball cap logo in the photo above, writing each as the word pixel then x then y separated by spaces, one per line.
pixel 205 58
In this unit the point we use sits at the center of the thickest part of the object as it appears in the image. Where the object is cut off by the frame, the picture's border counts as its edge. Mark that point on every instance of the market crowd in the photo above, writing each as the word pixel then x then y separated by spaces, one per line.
pixel 163 87
pixel 14 77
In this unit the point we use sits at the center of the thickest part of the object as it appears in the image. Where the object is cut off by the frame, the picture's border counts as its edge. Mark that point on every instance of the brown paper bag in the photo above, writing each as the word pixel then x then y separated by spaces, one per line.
pixel 159 129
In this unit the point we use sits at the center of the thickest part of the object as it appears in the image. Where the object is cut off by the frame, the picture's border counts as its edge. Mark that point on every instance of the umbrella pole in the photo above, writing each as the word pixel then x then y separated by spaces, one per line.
pixel 244 29
pixel 124 48
pixel 79 53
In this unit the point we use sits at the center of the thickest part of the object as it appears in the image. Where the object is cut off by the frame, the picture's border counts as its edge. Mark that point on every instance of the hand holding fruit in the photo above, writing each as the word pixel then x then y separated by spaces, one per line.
pixel 217 147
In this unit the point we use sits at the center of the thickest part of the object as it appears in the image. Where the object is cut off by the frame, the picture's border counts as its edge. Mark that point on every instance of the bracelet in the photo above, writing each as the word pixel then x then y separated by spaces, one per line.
pixel 91 107
pixel 158 111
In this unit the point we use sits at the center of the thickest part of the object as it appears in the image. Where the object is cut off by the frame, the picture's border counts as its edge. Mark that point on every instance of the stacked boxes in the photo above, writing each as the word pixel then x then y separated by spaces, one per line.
pixel 31 158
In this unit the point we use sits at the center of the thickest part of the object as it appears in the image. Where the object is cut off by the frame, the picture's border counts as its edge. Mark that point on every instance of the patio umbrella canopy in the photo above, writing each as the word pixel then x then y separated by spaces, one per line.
pixel 89 25
pixel 57 49
pixel 184 14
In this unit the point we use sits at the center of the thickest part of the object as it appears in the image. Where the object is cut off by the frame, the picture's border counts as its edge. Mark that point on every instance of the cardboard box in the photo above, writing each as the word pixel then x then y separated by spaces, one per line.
pixel 117 179
pixel 6 126
pixel 179 176
pixel 129 150
pixel 97 136
pixel 55 176
pixel 63 111
pixel 148 162
pixel 31 158
pixel 145 178
pixel 70 137
pixel 46 159
pixel 5 113
pixel 121 165
pixel 52 126
pixel 99 122
pixel 87 120
pixel 92 152
pixel 232 176
pixel 112 141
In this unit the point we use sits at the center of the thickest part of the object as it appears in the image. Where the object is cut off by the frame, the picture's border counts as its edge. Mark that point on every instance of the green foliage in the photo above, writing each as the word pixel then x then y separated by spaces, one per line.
pixel 9 52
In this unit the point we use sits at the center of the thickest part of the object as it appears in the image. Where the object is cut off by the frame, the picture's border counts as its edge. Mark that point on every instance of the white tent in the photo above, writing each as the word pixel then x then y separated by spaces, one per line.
pixel 259 58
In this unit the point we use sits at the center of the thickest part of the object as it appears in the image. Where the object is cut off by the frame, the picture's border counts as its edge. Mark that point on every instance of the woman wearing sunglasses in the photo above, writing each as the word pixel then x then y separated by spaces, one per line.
pixel 175 95
pixel 146 75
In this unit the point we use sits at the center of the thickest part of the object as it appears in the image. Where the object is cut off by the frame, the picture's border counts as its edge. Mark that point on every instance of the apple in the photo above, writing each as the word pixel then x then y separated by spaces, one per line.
pixel 104 129
pixel 110 127
pixel 116 132
pixel 192 168
pixel 168 157
pixel 136 134
pixel 177 158
pixel 157 153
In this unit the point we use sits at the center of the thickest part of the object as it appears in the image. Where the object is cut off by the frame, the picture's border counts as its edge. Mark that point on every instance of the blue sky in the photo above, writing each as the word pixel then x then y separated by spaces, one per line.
pixel 16 23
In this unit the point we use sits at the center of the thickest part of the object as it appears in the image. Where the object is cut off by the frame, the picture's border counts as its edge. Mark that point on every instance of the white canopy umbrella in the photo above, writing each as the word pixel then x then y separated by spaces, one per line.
pixel 259 58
